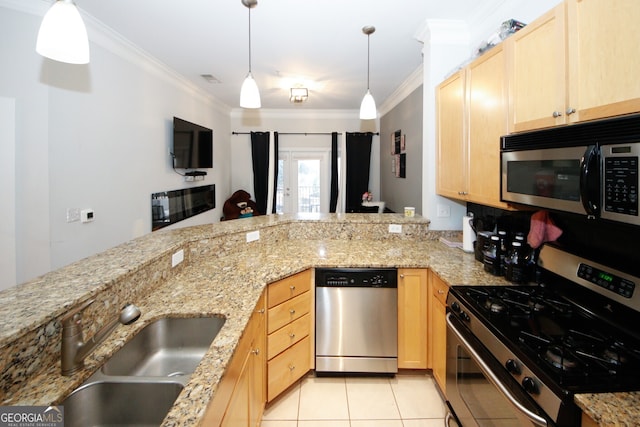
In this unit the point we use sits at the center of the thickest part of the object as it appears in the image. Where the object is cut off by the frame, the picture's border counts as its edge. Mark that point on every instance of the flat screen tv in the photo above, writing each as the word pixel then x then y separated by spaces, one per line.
pixel 192 145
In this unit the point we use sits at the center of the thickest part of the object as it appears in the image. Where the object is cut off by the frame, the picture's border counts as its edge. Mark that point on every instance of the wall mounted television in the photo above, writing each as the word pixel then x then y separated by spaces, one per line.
pixel 192 145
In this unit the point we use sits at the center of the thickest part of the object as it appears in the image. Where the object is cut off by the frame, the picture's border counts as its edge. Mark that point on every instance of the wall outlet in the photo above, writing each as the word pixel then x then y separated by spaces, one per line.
pixel 395 228
pixel 444 211
pixel 177 258
pixel 86 215
pixel 252 236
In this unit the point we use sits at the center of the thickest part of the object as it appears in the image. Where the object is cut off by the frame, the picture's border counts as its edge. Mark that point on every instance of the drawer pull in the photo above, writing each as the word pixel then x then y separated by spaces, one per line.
pixel 261 311
pixel 292 287
pixel 256 351
pixel 292 335
pixel 440 291
pixel 292 311
pixel 292 367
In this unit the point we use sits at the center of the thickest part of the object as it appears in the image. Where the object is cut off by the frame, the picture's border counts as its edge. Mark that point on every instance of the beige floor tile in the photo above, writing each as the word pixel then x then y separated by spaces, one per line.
pixel 377 423
pixel 285 407
pixel 417 397
pixel 323 399
pixel 431 422
pixel 371 399
pixel 323 423
pixel 278 423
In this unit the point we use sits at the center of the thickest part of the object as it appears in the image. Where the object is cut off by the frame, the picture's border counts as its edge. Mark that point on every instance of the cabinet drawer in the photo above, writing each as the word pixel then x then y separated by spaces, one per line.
pixel 288 311
pixel 440 289
pixel 287 288
pixel 287 368
pixel 288 335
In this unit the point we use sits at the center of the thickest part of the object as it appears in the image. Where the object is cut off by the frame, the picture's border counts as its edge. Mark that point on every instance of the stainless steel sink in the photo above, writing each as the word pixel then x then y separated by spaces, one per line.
pixel 120 404
pixel 167 347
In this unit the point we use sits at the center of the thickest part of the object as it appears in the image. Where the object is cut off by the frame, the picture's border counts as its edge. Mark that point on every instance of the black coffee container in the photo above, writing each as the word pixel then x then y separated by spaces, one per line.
pixel 482 244
pixel 493 256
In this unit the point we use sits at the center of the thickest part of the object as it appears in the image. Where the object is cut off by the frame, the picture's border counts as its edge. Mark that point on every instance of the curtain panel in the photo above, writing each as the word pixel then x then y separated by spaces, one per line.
pixel 260 161
pixel 358 167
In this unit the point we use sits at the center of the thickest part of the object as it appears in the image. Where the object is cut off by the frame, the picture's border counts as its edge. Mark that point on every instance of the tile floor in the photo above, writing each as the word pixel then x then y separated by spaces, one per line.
pixel 402 401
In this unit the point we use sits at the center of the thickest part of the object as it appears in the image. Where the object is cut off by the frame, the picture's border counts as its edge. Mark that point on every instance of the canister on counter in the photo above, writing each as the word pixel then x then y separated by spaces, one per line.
pixel 492 257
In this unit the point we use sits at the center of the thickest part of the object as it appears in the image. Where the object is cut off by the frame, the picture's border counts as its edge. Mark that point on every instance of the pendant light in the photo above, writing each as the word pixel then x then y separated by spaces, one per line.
pixel 368 109
pixel 249 93
pixel 62 35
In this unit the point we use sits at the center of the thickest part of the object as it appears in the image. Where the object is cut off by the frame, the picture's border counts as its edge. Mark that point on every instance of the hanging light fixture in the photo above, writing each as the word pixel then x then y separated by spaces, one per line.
pixel 249 93
pixel 62 35
pixel 368 107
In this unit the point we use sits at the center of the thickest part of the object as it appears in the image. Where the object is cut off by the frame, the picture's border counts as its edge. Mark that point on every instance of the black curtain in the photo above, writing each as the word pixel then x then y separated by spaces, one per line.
pixel 260 160
pixel 275 171
pixel 333 201
pixel 358 166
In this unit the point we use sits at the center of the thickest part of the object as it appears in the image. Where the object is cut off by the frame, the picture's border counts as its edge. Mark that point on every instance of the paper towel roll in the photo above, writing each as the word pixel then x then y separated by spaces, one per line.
pixel 468 235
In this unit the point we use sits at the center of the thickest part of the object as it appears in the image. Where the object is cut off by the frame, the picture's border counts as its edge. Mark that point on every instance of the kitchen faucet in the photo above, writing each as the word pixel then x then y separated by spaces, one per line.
pixel 74 349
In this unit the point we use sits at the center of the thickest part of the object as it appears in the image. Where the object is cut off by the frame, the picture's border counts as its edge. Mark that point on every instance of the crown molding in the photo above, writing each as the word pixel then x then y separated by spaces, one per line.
pixel 406 88
pixel 274 113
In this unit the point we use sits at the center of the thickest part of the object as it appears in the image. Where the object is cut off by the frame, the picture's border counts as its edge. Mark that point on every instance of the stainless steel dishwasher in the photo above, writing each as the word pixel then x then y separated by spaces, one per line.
pixel 356 320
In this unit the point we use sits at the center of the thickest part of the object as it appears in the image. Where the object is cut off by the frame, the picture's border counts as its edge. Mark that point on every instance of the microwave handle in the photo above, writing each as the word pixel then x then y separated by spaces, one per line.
pixel 588 173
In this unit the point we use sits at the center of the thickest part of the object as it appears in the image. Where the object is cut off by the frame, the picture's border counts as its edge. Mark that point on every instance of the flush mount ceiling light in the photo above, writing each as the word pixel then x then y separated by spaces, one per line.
pixel 368 107
pixel 298 95
pixel 62 35
pixel 249 93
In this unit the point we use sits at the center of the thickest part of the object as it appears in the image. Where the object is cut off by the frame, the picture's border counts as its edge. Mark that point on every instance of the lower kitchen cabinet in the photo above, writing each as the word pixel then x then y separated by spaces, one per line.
pixel 289 320
pixel 438 332
pixel 241 395
pixel 587 421
pixel 412 318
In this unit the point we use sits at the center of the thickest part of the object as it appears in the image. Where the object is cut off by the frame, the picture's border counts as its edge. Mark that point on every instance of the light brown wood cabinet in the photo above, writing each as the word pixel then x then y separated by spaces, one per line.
pixel 438 290
pixel 587 421
pixel 289 353
pixel 241 394
pixel 472 108
pixel 412 318
pixel 577 62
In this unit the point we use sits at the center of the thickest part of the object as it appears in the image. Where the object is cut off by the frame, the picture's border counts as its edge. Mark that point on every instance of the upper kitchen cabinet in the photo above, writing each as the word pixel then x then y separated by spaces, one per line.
pixel 537 73
pixel 577 62
pixel 472 115
pixel 604 58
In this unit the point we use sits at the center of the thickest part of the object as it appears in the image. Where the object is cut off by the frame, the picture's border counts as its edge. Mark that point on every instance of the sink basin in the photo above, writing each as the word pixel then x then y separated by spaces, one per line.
pixel 167 347
pixel 120 404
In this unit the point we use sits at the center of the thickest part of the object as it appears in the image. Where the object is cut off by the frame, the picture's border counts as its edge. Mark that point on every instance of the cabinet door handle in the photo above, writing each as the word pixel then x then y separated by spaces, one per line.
pixel 570 111
pixel 292 287
pixel 557 114
pixel 292 311
pixel 402 276
pixel 292 367
pixel 256 351
pixel 261 311
pixel 440 291
pixel 292 335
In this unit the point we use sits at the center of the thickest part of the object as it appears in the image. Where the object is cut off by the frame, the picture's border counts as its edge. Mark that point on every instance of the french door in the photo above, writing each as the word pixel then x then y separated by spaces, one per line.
pixel 303 182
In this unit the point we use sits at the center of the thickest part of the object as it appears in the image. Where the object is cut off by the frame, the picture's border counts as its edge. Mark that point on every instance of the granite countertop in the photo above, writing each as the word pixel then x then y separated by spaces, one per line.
pixel 230 286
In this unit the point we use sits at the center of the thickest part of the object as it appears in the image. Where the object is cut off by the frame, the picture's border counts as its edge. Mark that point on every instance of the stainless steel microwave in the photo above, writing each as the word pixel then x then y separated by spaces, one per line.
pixel 589 168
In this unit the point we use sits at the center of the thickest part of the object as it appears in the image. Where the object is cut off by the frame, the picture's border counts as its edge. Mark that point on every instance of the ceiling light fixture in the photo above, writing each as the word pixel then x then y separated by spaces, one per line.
pixel 368 107
pixel 298 95
pixel 62 35
pixel 249 93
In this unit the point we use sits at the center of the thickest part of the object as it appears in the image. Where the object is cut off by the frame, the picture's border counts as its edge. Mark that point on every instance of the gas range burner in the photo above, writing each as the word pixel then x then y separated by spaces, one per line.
pixel 559 358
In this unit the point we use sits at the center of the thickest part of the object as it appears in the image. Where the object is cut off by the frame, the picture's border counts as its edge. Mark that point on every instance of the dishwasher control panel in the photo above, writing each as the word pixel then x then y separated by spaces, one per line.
pixel 357 277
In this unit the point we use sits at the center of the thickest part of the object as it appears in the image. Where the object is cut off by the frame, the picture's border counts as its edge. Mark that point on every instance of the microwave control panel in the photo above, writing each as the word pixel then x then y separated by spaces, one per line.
pixel 620 180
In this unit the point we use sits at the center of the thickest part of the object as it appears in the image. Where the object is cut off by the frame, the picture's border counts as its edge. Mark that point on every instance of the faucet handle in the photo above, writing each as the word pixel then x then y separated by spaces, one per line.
pixel 74 316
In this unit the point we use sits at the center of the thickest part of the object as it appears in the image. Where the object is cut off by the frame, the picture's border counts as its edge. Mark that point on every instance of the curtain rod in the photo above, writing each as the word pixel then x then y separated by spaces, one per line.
pixel 299 133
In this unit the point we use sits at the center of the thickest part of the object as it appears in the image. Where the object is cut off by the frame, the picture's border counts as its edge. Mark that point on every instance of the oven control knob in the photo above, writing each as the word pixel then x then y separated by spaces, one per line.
pixel 530 385
pixel 464 316
pixel 455 307
pixel 513 367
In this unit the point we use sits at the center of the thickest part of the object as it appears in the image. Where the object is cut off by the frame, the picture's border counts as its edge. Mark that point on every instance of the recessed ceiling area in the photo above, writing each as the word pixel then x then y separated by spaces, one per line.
pixel 316 44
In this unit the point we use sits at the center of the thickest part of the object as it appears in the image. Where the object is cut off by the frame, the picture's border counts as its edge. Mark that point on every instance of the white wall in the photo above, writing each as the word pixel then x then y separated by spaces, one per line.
pixel 8 191
pixel 95 136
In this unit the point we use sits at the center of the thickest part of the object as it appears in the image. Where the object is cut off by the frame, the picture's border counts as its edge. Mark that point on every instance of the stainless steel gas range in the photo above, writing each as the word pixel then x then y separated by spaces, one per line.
pixel 516 355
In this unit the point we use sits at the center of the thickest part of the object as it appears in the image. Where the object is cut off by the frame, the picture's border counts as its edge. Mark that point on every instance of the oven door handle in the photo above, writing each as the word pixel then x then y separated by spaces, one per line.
pixel 534 418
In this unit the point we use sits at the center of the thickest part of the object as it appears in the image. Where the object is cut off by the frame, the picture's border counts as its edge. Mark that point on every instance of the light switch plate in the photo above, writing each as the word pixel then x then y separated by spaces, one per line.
pixel 177 258
pixel 252 236
pixel 395 228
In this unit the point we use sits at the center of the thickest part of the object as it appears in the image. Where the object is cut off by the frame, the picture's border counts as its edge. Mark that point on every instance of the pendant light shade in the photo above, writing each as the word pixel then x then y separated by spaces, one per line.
pixel 368 109
pixel 249 93
pixel 62 35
